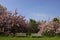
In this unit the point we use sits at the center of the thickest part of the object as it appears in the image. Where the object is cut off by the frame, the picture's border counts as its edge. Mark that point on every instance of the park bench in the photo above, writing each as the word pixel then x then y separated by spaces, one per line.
pixel 21 34
pixel 35 35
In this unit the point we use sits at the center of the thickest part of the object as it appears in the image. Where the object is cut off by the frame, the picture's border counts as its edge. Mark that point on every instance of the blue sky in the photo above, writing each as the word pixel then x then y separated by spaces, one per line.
pixel 35 9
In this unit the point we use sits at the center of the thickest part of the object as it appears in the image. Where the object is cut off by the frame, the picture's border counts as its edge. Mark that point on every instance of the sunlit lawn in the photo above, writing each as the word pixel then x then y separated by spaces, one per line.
pixel 29 38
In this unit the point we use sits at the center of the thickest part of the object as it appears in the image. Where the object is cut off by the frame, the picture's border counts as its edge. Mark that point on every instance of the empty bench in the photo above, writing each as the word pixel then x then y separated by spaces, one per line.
pixel 35 35
pixel 21 34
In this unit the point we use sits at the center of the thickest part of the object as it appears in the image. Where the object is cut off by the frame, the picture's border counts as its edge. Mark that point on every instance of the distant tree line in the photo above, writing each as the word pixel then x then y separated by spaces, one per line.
pixel 13 23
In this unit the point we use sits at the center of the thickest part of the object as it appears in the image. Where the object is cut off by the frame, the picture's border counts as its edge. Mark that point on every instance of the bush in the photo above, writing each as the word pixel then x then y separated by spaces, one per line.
pixel 58 34
pixel 1 33
pixel 50 33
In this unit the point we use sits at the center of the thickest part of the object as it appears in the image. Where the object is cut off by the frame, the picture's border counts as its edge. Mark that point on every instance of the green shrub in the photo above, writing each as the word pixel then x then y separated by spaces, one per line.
pixel 49 33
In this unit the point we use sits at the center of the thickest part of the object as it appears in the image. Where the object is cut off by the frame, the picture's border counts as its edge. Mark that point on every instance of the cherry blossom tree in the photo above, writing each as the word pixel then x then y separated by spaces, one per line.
pixel 11 22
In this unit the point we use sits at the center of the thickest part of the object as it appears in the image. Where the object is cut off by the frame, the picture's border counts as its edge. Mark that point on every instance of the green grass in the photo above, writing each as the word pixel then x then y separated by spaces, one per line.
pixel 29 38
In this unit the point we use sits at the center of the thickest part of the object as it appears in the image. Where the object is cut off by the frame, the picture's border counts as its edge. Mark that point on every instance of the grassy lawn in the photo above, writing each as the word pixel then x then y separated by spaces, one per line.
pixel 29 38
